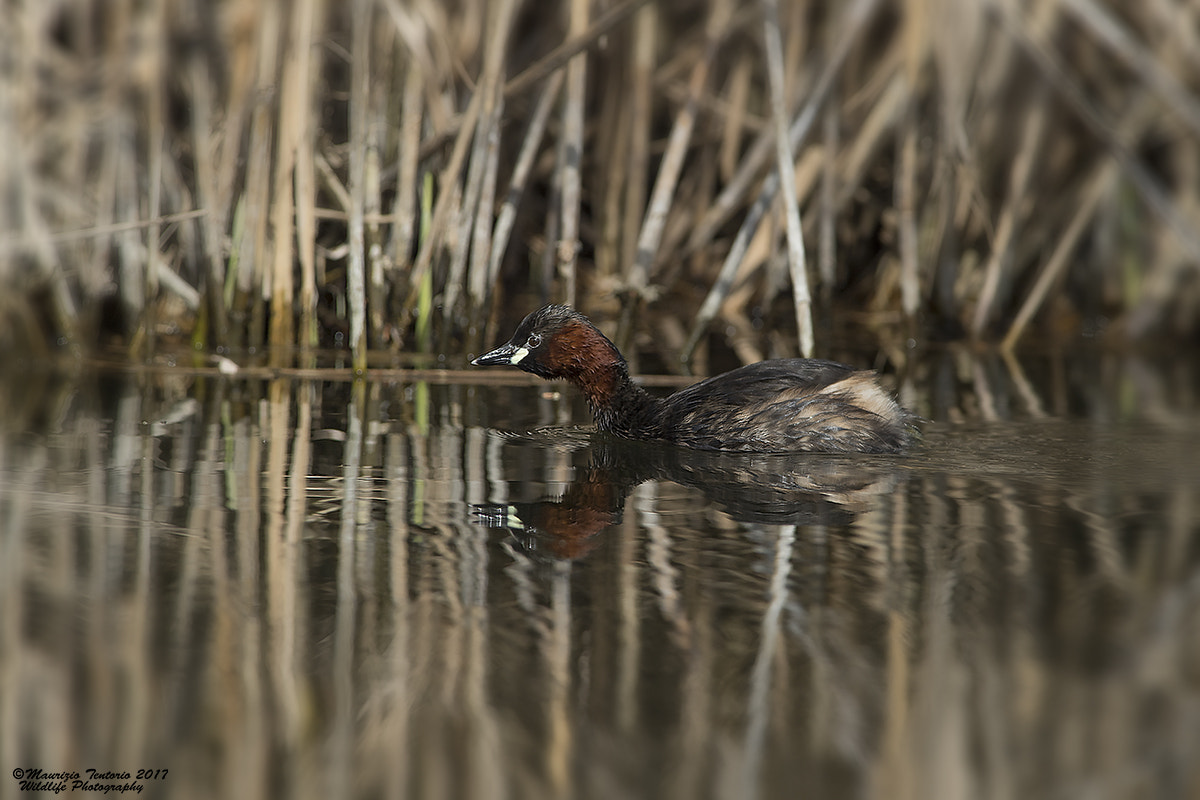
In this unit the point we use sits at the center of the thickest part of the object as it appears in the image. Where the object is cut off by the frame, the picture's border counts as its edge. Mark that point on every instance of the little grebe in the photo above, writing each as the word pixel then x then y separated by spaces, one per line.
pixel 781 406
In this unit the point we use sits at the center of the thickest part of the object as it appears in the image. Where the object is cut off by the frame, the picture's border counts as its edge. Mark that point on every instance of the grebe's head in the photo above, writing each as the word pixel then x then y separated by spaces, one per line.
pixel 555 342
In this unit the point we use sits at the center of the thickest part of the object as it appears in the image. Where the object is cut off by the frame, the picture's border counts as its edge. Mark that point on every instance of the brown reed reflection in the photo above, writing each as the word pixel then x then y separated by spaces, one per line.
pixel 278 588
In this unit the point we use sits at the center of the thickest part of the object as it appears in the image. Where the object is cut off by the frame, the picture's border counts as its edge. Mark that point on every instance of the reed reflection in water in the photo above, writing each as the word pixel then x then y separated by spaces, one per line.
pixel 289 588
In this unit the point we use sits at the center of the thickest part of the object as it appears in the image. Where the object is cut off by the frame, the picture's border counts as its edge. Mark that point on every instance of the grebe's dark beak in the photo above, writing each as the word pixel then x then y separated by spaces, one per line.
pixel 504 355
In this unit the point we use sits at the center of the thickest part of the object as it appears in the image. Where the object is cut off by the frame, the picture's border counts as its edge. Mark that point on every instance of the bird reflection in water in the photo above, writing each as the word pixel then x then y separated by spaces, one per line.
pixel 764 489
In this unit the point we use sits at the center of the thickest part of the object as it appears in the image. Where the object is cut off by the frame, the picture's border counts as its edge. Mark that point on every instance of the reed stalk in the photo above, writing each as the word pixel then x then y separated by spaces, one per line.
pixel 520 175
pixel 291 149
pixel 360 91
pixel 1027 155
pixel 404 212
pixel 801 297
pixel 381 272
pixel 425 285
pixel 441 208
pixel 211 225
pixel 906 218
pixel 827 243
pixel 640 270
pixel 475 218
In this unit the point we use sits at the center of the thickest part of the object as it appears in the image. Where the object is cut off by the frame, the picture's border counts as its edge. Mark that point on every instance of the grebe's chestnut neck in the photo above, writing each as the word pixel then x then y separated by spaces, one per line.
pixel 557 342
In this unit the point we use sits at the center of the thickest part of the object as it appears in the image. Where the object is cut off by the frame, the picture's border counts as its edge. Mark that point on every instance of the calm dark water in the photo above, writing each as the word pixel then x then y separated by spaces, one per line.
pixel 288 588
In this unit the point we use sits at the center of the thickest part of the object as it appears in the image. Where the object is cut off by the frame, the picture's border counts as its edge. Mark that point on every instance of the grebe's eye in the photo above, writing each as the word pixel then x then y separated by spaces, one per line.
pixel 535 339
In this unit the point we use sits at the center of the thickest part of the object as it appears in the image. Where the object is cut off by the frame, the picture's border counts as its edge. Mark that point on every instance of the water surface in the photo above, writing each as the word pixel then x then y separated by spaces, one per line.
pixel 295 588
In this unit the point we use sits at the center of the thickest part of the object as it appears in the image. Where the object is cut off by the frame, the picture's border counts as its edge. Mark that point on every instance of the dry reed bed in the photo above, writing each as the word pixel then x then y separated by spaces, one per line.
pixel 388 174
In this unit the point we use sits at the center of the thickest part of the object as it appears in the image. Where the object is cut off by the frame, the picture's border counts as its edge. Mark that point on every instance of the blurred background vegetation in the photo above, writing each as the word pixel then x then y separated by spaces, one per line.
pixel 400 176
